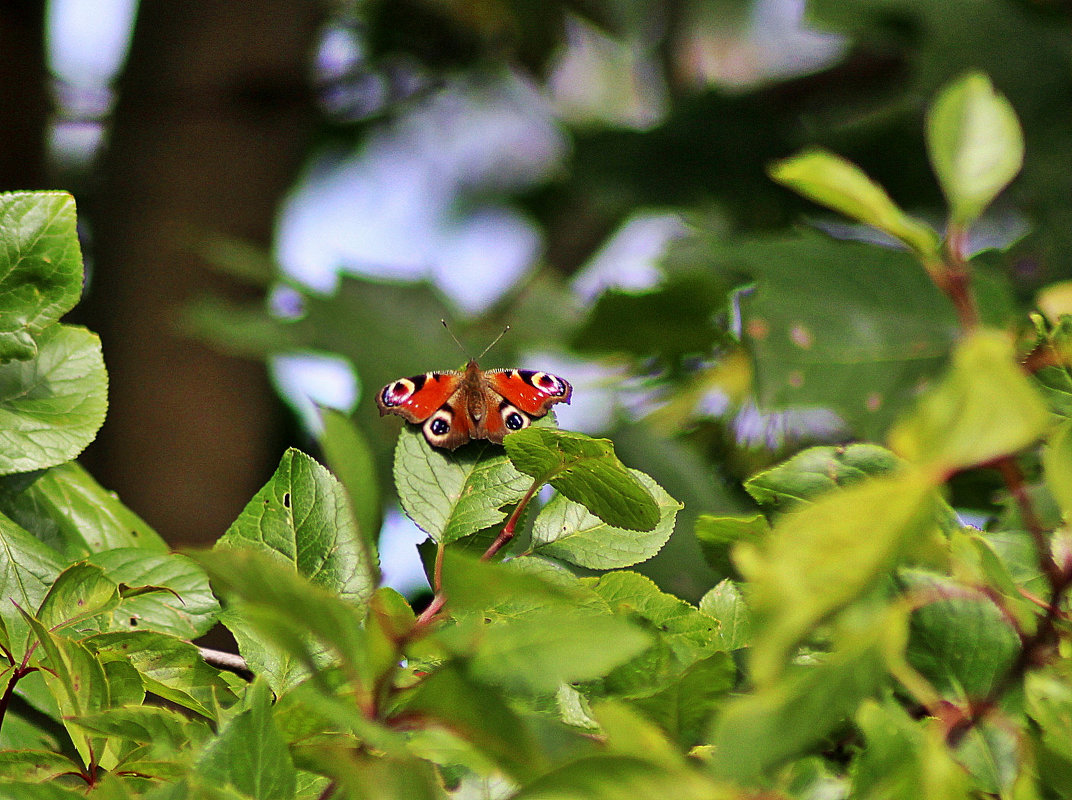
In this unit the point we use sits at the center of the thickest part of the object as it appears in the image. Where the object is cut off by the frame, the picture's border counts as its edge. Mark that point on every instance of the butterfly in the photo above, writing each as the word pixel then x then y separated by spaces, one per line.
pixel 454 407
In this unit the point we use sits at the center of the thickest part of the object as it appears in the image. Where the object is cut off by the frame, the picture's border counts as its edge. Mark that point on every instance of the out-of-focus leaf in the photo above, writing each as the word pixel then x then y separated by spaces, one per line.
pixel 821 558
pixel 984 407
pixel 841 325
pixel 975 144
pixel 351 460
pixel 841 185
pixel 717 535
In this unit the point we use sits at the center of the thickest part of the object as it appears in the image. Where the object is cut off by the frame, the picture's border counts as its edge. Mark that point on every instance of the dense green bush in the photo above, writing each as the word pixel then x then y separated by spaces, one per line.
pixel 859 641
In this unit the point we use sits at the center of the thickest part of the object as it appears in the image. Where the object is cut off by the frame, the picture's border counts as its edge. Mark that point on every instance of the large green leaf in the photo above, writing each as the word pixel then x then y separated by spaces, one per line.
pixel 67 509
pixel 40 267
pixel 821 558
pixel 286 625
pixel 451 495
pixel 568 531
pixel 717 534
pixel 975 144
pixel 984 407
pixel 841 185
pixel 79 593
pixel 623 778
pixel 846 326
pixel 179 601
pixel 587 471
pixel 725 603
pixel 684 708
pixel 303 515
pixel 52 406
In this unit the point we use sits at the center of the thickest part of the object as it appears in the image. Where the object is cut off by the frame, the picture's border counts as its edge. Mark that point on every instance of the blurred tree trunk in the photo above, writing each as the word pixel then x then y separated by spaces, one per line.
pixel 213 117
pixel 24 95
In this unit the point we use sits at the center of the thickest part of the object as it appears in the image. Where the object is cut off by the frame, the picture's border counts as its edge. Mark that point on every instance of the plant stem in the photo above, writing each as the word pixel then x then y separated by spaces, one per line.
pixel 508 529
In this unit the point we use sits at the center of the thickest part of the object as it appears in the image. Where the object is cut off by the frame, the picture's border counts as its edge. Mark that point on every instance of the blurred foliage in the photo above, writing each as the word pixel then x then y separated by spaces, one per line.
pixel 753 339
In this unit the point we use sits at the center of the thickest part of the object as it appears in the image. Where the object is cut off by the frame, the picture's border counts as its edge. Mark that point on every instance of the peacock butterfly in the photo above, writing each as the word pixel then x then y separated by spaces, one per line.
pixel 453 407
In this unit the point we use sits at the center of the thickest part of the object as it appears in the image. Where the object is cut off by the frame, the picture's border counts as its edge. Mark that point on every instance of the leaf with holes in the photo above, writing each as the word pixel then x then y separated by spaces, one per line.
pixel 302 514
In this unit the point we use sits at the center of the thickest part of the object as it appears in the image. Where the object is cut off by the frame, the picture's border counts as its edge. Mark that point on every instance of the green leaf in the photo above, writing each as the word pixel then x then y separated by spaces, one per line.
pixel 717 535
pixel 1057 461
pixel 35 765
pixel 451 495
pixel 537 651
pixel 586 471
pixel 68 510
pixel 841 185
pixel 762 730
pixel 350 458
pixel 725 603
pixel 684 708
pixel 19 790
pixel 983 408
pixel 182 605
pixel 285 624
pixel 77 681
pixel 302 514
pixel 169 667
pixel 675 319
pixel 904 758
pixel 27 571
pixel 79 593
pixel 812 472
pixel 51 407
pixel 621 778
pixel 167 731
pixel 518 585
pixel 682 634
pixel 840 325
pixel 821 558
pixel 959 640
pixel 250 755
pixel 975 144
pixel 40 267
pixel 481 715
pixel 568 531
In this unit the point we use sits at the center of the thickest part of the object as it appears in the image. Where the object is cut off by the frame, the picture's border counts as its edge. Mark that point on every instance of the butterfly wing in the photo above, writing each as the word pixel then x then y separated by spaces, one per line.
pixel 515 397
pixel 431 401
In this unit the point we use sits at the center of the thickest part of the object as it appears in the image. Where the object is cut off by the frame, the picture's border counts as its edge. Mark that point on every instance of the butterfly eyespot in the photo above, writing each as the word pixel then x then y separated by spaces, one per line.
pixel 396 393
pixel 515 421
pixel 439 426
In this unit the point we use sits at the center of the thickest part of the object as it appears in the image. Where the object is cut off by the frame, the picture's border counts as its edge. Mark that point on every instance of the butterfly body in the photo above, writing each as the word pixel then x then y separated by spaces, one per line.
pixel 453 408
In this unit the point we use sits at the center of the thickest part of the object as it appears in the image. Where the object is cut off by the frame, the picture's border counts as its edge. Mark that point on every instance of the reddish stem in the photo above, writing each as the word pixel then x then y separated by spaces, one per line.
pixel 508 529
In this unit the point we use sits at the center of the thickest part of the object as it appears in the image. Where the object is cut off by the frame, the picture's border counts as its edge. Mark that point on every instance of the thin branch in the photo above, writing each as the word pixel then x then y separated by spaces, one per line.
pixel 223 659
pixel 508 530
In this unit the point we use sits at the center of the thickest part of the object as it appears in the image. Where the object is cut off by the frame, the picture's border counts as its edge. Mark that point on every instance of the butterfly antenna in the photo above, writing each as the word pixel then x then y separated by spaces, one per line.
pixel 455 338
pixel 497 338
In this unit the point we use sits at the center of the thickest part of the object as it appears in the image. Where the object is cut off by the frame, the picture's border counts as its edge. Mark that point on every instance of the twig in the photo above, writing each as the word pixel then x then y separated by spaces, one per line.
pixel 221 658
